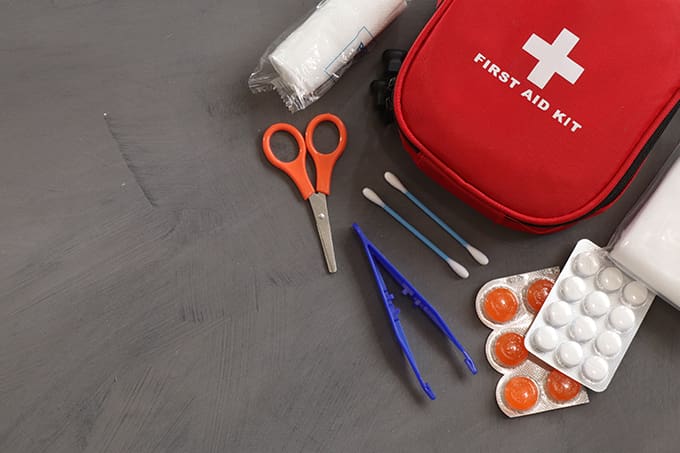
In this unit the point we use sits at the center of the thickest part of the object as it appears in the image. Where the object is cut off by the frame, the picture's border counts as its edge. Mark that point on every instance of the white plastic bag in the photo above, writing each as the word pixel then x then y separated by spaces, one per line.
pixel 647 244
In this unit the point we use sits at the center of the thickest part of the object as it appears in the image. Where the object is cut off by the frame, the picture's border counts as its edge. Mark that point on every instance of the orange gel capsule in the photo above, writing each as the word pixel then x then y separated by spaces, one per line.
pixel 500 305
pixel 561 388
pixel 510 350
pixel 538 293
pixel 521 393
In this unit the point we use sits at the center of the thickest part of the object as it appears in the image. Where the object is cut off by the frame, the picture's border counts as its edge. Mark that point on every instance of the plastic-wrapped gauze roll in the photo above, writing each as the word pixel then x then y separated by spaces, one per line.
pixel 649 246
pixel 330 38
pixel 321 47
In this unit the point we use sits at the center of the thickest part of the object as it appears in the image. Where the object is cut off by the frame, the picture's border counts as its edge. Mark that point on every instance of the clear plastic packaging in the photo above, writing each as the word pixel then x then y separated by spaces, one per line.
pixel 647 244
pixel 308 59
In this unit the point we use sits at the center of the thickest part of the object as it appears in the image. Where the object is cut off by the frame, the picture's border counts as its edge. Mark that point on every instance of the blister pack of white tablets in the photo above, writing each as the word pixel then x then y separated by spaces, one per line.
pixel 589 318
pixel 508 306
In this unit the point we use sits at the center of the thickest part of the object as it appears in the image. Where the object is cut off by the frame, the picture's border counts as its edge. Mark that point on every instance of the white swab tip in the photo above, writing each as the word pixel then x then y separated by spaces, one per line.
pixel 458 268
pixel 478 255
pixel 372 197
pixel 393 181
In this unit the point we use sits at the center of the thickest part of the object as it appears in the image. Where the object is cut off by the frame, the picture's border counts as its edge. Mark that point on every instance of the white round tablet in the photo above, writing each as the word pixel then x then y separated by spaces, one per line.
pixel 596 304
pixel 587 264
pixel 610 279
pixel 544 339
pixel 622 319
pixel 595 369
pixel 558 314
pixel 608 343
pixel 582 329
pixel 573 289
pixel 635 294
pixel 569 354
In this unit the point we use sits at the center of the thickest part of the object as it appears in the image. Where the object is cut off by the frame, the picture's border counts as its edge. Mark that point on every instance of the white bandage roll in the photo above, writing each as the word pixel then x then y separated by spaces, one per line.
pixel 329 39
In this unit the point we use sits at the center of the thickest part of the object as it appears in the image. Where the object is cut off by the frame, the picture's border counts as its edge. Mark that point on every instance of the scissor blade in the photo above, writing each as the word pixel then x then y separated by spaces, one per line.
pixel 323 225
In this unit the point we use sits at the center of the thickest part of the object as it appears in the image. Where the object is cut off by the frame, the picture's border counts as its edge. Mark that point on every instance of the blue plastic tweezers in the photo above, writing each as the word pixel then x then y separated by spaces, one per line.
pixel 375 258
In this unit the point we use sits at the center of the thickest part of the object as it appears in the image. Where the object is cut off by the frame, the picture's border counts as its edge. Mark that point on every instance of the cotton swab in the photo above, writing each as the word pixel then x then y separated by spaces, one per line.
pixel 397 184
pixel 455 266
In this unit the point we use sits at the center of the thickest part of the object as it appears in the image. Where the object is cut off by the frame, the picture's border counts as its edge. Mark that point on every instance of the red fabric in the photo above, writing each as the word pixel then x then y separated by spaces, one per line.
pixel 498 151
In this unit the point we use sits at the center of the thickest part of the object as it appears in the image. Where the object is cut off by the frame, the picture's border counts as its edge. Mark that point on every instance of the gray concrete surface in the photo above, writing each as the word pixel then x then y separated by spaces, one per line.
pixel 162 288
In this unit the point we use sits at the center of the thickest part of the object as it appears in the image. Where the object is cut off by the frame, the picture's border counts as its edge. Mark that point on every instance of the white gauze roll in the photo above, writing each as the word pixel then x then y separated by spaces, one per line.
pixel 329 39
pixel 649 247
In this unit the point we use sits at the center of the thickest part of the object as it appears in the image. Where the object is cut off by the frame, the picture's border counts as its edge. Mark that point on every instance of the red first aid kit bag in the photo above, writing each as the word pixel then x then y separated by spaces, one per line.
pixel 539 113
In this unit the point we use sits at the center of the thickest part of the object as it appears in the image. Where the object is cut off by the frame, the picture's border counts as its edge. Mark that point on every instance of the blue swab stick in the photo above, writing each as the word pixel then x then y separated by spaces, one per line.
pixel 475 252
pixel 454 265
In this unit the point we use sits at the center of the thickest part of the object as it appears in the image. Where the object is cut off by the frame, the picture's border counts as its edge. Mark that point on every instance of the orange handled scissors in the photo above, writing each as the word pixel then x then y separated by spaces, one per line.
pixel 297 171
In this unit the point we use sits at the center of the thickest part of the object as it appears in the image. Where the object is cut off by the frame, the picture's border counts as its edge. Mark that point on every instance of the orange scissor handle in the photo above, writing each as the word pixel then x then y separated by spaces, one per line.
pixel 325 162
pixel 296 169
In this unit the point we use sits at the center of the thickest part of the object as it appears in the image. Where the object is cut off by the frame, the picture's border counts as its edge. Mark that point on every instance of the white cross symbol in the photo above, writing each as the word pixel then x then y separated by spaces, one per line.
pixel 553 58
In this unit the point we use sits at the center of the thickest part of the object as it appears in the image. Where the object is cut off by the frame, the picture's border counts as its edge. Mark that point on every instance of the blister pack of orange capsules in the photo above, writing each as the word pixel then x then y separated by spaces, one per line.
pixel 528 386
